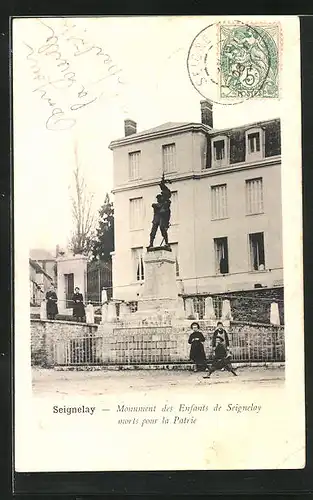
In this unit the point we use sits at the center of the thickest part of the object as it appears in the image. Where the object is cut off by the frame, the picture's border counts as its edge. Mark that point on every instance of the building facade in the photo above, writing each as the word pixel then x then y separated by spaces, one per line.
pixel 46 260
pixel 39 282
pixel 226 222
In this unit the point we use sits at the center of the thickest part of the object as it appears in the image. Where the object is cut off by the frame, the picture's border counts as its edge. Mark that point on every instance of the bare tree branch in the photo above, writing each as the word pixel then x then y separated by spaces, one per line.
pixel 82 212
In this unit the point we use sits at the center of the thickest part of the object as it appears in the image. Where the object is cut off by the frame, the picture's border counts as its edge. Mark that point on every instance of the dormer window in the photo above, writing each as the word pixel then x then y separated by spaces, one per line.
pixel 219 151
pixel 254 144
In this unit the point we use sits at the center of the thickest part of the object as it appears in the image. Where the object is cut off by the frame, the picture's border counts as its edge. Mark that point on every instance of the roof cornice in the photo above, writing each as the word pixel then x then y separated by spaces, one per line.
pixel 147 136
pixel 209 172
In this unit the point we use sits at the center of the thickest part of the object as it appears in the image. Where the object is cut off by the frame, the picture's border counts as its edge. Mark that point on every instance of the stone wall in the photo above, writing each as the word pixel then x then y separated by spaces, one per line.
pixel 45 332
pixel 154 344
pixel 254 305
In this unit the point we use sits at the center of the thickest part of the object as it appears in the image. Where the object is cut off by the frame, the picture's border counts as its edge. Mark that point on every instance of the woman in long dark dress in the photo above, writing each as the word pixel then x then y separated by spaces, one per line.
pixel 78 307
pixel 51 306
pixel 197 354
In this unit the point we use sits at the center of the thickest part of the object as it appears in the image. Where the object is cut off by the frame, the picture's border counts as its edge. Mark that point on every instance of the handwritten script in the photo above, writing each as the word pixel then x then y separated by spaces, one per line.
pixel 53 65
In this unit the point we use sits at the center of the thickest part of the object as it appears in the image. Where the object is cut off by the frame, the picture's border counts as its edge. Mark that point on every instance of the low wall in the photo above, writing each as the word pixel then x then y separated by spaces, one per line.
pixel 154 344
pixel 45 332
pixel 166 344
pixel 67 343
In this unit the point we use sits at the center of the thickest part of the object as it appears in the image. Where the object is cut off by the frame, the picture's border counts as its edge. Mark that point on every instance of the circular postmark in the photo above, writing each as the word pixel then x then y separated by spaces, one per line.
pixel 231 62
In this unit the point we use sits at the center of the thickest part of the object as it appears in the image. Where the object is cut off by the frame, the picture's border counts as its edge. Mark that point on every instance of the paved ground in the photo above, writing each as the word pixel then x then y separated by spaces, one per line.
pixel 47 382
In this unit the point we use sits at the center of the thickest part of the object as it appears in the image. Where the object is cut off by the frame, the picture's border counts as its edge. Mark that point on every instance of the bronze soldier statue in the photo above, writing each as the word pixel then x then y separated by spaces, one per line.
pixel 161 214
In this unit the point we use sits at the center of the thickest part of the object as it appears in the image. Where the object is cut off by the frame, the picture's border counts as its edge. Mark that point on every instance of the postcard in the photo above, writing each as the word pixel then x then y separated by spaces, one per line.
pixel 158 244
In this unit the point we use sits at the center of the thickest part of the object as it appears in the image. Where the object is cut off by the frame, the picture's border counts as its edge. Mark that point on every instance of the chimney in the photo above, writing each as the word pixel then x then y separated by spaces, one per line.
pixel 130 127
pixel 207 113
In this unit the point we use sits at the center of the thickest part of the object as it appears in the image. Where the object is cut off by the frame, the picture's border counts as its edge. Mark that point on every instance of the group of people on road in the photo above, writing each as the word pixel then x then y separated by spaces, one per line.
pixel 78 304
pixel 220 344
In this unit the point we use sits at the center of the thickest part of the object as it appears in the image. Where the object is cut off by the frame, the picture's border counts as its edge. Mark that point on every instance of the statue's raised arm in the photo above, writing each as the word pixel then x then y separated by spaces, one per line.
pixel 165 190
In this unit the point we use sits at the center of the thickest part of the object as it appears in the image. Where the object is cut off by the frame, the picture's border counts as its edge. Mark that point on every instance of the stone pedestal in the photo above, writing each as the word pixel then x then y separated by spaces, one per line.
pixel 111 312
pixel 43 310
pixel 160 291
pixel 90 315
pixel 190 309
pixel 104 312
pixel 104 296
pixel 209 309
pixel 226 310
pixel 158 331
pixel 274 314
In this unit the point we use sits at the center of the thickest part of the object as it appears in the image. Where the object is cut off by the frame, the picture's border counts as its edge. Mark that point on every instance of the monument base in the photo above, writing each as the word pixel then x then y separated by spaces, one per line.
pixel 158 331
pixel 160 291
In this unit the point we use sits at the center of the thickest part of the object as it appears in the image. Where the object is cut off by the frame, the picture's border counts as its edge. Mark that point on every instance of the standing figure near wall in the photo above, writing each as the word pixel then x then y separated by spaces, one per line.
pixel 161 214
pixel 52 299
pixel 79 307
pixel 197 354
pixel 221 332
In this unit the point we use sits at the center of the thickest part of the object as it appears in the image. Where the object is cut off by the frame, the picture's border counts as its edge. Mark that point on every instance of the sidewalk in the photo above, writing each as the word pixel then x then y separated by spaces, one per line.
pixel 47 382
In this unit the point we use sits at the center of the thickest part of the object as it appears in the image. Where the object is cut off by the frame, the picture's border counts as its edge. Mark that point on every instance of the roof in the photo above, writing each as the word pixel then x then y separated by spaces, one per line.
pixel 39 270
pixel 163 126
pixel 160 130
pixel 40 254
pixel 165 129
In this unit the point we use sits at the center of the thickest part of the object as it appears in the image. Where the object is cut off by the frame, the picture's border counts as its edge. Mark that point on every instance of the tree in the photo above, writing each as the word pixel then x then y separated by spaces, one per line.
pixel 103 243
pixel 82 213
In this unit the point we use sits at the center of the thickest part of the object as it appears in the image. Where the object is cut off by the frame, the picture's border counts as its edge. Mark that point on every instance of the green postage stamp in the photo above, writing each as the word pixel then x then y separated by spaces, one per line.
pixel 249 60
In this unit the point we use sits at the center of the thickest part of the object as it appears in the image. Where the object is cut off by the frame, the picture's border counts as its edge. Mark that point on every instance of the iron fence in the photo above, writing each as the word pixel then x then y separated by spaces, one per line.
pixel 78 351
pixel 265 345
pixel 137 345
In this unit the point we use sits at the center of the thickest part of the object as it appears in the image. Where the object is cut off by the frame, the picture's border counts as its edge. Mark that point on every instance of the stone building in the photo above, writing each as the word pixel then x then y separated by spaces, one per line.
pixel 226 223
pixel 39 282
pixel 46 260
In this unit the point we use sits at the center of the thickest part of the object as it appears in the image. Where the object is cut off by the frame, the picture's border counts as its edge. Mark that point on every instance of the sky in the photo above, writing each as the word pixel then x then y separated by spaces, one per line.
pixel 148 83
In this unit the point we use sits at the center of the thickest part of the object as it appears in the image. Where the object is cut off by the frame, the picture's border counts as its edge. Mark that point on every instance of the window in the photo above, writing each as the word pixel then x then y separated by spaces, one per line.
pixel 139 269
pixel 257 257
pixel 219 201
pixel 254 142
pixel 174 247
pixel 134 165
pixel 136 213
pixel 174 208
pixel 219 150
pixel 254 196
pixel 169 158
pixel 221 255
